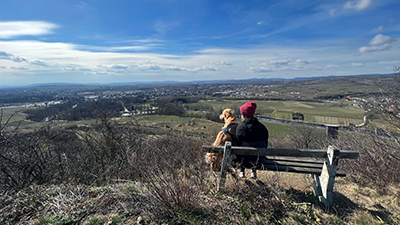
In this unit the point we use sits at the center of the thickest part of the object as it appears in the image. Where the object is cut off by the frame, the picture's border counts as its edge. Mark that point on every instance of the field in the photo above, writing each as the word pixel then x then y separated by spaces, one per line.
pixel 324 88
pixel 14 117
pixel 206 128
pixel 339 113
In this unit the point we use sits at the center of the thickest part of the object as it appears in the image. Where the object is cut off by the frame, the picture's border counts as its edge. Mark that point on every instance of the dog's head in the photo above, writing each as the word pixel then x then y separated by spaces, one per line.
pixel 227 114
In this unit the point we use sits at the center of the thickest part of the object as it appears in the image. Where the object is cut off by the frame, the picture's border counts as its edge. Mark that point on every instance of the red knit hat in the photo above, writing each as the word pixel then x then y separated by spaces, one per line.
pixel 248 109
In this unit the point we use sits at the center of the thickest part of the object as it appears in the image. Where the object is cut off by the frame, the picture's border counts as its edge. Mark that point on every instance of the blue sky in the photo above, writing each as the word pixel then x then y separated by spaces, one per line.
pixel 99 41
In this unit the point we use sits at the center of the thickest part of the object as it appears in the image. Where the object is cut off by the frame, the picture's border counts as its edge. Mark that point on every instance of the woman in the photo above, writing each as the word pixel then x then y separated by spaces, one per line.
pixel 251 133
pixel 228 133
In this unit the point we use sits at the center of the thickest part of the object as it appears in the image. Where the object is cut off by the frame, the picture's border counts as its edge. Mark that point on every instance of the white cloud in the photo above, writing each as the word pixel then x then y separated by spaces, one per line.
pixel 381 39
pixel 376 30
pixel 21 28
pixel 176 68
pixel 378 43
pixel 260 69
pixel 374 48
pixel 119 67
pixel 39 63
pixel 222 62
pixel 8 56
pixel 116 49
pixel 19 68
pixel 5 55
pixel 280 62
pixel 285 64
pixel 20 59
pixel 356 64
pixel 204 68
pixel 149 66
pixel 303 62
pixel 389 62
pixel 332 66
pixel 71 67
pixel 85 70
pixel 357 4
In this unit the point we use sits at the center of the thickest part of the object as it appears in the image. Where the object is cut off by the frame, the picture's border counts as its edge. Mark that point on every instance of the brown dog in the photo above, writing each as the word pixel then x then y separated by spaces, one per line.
pixel 227 133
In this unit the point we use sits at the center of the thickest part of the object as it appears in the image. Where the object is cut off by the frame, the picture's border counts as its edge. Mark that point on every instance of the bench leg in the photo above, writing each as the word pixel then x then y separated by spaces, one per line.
pixel 323 184
pixel 224 166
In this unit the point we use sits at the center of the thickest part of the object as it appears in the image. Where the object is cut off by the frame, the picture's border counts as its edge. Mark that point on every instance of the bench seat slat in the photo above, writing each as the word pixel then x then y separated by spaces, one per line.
pixel 295 164
pixel 299 170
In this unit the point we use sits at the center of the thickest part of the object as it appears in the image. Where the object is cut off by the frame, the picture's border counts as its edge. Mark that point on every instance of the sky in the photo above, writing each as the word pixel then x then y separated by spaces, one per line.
pixel 100 41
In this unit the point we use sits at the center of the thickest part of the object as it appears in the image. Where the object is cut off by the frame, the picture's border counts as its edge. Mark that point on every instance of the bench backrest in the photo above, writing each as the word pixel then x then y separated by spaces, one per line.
pixel 315 153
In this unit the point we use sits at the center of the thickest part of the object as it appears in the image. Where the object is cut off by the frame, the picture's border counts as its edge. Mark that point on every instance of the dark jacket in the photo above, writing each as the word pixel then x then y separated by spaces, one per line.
pixel 252 133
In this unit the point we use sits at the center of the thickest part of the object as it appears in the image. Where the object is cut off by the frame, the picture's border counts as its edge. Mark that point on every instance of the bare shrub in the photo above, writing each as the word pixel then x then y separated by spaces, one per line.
pixel 305 137
pixel 36 157
pixel 174 172
pixel 378 162
pixel 104 150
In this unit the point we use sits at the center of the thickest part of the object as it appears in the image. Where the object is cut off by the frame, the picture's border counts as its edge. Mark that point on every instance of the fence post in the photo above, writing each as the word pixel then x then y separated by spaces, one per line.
pixel 323 184
pixel 224 165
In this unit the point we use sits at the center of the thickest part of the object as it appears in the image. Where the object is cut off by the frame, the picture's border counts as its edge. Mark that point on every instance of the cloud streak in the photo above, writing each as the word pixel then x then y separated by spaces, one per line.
pixel 12 29
pixel 376 30
pixel 162 26
pixel 8 56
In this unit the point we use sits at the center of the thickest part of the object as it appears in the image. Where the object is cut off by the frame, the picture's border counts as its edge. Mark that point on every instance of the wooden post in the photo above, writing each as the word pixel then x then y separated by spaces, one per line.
pixel 332 131
pixel 224 166
pixel 323 184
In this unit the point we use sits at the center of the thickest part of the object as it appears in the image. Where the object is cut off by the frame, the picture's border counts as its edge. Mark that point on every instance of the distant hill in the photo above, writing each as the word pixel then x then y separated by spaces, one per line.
pixel 69 85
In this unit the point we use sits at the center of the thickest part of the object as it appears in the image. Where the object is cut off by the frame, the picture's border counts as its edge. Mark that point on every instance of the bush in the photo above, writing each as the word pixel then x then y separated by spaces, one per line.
pixel 304 137
pixel 174 173
pixel 378 162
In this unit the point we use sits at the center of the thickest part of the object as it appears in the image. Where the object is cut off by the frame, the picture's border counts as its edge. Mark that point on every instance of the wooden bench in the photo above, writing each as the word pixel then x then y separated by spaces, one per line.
pixel 321 164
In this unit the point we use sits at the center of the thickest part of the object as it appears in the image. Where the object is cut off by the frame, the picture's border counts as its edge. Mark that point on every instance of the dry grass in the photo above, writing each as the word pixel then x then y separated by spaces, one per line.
pixel 123 172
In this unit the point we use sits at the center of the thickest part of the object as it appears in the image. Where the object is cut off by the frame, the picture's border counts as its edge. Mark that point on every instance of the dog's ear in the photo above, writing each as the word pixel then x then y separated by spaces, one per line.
pixel 228 113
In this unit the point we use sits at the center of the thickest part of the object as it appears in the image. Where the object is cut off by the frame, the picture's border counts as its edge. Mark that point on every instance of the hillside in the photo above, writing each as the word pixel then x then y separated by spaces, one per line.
pixel 88 164
pixel 123 173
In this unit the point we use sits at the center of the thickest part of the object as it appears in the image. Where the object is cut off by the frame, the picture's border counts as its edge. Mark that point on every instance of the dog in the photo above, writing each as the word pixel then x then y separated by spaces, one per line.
pixel 228 133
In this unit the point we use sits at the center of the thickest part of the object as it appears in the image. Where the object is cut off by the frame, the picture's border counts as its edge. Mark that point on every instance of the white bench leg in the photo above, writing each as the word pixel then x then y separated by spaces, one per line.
pixel 224 166
pixel 323 184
